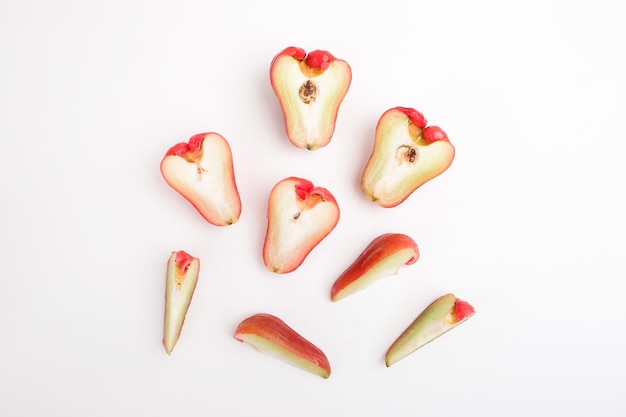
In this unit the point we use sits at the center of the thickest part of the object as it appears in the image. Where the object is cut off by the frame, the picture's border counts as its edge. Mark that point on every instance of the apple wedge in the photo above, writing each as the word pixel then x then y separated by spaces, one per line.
pixel 299 216
pixel 180 284
pixel 269 334
pixel 440 316
pixel 201 170
pixel 310 89
pixel 384 256
pixel 406 155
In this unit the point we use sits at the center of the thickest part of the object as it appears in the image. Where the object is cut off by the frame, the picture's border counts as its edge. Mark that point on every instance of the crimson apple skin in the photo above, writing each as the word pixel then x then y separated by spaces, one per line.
pixel 383 256
pixel 406 154
pixel 299 216
pixel 441 316
pixel 310 89
pixel 269 334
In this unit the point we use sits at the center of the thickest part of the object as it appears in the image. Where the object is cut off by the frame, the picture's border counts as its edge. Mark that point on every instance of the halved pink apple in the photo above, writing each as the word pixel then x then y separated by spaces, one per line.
pixel 440 316
pixel 384 256
pixel 269 334
pixel 310 89
pixel 201 170
pixel 299 216
pixel 180 284
pixel 406 155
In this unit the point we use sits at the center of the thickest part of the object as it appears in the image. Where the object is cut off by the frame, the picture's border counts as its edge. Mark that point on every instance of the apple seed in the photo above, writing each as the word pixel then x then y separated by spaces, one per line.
pixel 308 92
pixel 406 153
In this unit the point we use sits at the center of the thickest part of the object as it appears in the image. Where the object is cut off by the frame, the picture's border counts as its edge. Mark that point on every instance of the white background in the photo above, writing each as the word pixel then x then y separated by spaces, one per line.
pixel 527 224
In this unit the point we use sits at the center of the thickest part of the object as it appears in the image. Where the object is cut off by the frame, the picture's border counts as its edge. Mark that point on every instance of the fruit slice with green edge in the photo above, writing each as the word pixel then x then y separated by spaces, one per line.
pixel 442 315
pixel 180 284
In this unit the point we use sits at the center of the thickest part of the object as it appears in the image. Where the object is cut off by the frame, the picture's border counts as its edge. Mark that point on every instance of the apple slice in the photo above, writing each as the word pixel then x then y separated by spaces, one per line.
pixel 202 172
pixel 269 334
pixel 441 315
pixel 299 216
pixel 384 256
pixel 310 89
pixel 180 284
pixel 406 155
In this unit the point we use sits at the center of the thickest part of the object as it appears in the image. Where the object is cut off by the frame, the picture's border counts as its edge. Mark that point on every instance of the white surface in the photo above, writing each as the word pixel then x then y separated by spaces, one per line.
pixel 527 224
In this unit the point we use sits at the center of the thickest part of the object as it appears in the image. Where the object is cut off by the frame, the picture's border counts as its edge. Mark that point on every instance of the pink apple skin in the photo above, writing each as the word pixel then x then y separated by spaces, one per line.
pixel 202 171
pixel 442 315
pixel 310 89
pixel 384 256
pixel 269 334
pixel 299 216
pixel 181 280
pixel 407 153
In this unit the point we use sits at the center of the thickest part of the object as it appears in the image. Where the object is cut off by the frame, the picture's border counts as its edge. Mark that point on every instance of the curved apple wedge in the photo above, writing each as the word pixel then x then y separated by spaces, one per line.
pixel 384 256
pixel 406 155
pixel 310 89
pixel 201 170
pixel 299 216
pixel 440 316
pixel 269 334
pixel 180 284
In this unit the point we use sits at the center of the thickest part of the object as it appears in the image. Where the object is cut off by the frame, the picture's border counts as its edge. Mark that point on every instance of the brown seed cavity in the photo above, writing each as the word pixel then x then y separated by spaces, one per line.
pixel 308 92
pixel 406 153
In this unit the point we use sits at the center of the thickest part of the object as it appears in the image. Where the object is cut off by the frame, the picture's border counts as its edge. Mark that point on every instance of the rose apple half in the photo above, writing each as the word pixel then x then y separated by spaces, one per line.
pixel 406 155
pixel 310 89
pixel 269 334
pixel 180 284
pixel 299 216
pixel 440 316
pixel 384 256
pixel 201 170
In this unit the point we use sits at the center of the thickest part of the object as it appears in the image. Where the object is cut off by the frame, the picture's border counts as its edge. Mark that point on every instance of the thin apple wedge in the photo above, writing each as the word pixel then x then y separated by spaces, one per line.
pixel 310 89
pixel 201 170
pixel 440 316
pixel 299 216
pixel 180 284
pixel 384 256
pixel 269 334
pixel 406 155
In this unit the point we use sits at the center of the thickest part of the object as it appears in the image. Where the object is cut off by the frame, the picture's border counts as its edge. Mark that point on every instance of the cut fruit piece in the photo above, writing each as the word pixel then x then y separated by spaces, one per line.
pixel 441 315
pixel 201 170
pixel 299 216
pixel 406 155
pixel 310 89
pixel 269 334
pixel 384 256
pixel 180 284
